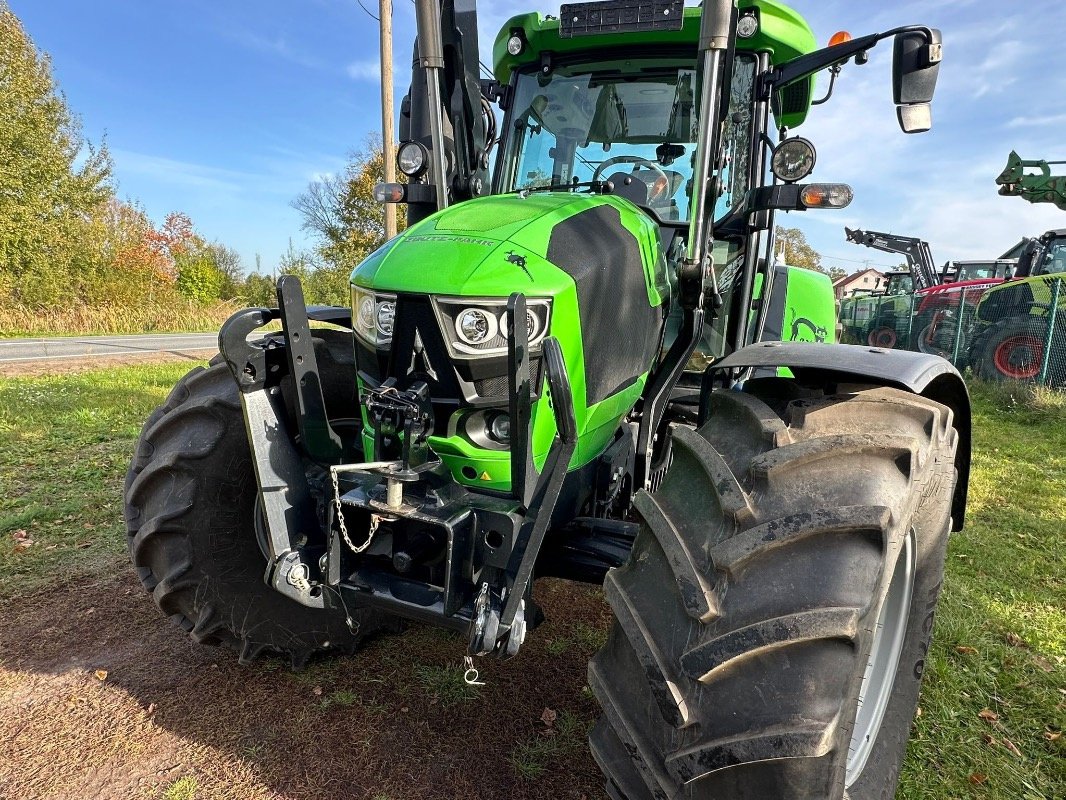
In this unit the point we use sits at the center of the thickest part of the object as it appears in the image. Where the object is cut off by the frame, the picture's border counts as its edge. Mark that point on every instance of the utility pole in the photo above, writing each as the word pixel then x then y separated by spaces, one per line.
pixel 388 134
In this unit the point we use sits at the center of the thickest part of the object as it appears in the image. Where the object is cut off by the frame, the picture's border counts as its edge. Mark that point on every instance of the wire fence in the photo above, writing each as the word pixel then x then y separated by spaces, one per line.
pixel 1015 330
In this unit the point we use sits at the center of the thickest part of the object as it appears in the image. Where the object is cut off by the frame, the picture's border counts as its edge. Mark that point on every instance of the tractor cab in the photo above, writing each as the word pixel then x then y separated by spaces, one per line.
pixel 899 282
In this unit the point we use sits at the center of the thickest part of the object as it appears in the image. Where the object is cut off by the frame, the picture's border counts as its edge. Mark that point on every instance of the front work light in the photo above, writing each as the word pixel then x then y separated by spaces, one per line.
pixel 515 45
pixel 793 159
pixel 412 158
pixel 747 26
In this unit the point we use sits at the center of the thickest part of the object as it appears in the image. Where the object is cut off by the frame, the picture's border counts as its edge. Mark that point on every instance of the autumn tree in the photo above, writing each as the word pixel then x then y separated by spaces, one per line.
pixel 796 252
pixel 52 182
pixel 836 273
pixel 340 212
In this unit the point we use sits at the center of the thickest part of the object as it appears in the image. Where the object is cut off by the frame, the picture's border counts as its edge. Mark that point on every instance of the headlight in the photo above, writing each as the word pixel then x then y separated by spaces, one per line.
pixel 384 318
pixel 478 327
pixel 412 159
pixel 532 324
pixel 515 45
pixel 375 316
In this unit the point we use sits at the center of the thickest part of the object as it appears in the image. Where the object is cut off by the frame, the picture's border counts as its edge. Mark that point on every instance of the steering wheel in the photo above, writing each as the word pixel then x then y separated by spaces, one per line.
pixel 644 162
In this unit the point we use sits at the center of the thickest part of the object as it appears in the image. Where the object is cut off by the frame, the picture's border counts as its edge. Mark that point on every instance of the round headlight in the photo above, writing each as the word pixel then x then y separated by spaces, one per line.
pixel 475 326
pixel 747 26
pixel 515 45
pixel 793 159
pixel 366 313
pixel 412 159
pixel 500 428
pixel 386 316
pixel 532 324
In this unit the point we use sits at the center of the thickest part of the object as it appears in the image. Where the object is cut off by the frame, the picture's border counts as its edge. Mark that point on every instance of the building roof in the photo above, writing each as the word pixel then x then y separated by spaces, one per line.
pixel 856 275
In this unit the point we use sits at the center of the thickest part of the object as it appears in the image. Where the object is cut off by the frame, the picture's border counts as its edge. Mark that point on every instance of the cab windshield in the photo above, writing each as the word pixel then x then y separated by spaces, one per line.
pixel 1054 260
pixel 900 284
pixel 981 270
pixel 624 119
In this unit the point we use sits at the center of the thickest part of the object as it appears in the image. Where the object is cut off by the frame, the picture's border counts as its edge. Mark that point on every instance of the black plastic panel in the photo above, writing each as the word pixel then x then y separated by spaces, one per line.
pixel 620 16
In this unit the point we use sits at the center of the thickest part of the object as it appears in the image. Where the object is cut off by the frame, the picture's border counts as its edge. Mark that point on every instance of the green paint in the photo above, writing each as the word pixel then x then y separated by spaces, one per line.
pixel 783 34
pixel 463 251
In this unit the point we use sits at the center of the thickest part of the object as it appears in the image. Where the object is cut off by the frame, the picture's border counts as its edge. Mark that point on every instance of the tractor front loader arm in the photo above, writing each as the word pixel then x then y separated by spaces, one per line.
pixel 1038 187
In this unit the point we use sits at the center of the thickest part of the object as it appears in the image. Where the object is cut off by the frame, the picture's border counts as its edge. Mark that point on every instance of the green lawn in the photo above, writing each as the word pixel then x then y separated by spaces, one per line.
pixel 994 700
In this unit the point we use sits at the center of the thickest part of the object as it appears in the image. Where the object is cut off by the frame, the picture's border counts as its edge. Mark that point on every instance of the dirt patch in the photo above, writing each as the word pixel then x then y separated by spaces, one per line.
pixel 67 365
pixel 101 697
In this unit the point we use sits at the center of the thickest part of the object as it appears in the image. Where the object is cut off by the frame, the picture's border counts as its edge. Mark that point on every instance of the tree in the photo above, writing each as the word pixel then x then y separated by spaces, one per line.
pixel 340 211
pixel 53 184
pixel 836 273
pixel 797 252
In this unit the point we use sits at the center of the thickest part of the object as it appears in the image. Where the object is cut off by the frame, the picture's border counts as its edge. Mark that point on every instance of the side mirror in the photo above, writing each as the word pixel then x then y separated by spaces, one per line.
pixel 915 67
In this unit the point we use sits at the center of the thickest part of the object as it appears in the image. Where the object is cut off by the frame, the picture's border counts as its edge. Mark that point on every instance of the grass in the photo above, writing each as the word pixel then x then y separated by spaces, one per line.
pixel 65 444
pixel 182 789
pixel 445 684
pixel 549 743
pixel 993 706
pixel 170 316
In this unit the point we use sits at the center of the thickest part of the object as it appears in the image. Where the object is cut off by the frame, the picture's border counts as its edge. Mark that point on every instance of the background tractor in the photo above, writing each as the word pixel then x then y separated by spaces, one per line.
pixel 1020 327
pixel 887 319
pixel 922 308
pixel 560 368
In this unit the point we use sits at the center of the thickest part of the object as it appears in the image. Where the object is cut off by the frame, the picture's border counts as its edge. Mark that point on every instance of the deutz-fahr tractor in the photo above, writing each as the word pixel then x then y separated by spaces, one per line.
pixel 559 369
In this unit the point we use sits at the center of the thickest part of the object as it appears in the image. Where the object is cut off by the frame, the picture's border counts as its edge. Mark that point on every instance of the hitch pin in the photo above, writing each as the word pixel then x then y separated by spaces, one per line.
pixel 394 493
pixel 470 677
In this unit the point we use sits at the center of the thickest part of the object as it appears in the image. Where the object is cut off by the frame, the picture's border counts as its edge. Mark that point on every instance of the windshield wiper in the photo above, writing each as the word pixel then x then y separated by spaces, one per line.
pixel 594 187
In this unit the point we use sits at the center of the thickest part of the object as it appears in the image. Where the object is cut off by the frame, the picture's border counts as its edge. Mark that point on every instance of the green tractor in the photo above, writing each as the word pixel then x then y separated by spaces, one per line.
pixel 562 368
pixel 1019 330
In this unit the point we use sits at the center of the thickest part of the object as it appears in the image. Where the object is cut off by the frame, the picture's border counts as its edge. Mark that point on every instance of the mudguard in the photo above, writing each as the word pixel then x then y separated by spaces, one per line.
pixel 920 373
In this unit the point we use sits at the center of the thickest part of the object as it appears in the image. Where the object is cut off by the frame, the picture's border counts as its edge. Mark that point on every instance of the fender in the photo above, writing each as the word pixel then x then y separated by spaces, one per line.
pixel 927 375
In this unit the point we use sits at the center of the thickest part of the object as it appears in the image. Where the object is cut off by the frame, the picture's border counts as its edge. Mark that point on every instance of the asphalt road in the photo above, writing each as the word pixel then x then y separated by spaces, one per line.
pixel 13 351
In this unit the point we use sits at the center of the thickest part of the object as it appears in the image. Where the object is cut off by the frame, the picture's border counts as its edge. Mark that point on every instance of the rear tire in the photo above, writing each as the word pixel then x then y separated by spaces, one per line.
pixel 190 513
pixel 1013 350
pixel 748 610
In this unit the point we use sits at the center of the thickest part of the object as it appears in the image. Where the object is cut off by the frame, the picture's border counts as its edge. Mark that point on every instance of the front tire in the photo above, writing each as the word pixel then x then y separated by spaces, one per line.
pixel 191 512
pixel 783 554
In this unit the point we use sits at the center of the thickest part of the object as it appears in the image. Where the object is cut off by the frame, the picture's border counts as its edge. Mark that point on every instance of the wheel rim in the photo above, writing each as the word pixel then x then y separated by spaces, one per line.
pixel 929 342
pixel 882 337
pixel 1019 357
pixel 879 678
pixel 925 341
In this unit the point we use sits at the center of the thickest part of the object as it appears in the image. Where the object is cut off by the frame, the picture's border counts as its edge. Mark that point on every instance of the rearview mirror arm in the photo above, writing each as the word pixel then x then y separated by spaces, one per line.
pixel 804 66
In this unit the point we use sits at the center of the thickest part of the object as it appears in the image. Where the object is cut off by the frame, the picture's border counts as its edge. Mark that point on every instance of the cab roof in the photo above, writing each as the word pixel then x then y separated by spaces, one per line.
pixel 782 33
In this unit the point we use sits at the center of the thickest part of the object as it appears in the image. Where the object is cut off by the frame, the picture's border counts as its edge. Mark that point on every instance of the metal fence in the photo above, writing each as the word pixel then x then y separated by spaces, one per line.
pixel 1014 330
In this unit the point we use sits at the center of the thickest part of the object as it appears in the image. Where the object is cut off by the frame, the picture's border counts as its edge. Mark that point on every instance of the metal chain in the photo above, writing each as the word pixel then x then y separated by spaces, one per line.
pixel 375 520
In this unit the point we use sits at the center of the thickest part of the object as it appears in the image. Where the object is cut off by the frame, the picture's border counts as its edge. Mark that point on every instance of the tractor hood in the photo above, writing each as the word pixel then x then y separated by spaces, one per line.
pixel 497 245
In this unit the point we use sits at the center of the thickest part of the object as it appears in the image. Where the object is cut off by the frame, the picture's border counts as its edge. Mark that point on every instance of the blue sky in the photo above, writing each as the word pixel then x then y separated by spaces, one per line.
pixel 226 109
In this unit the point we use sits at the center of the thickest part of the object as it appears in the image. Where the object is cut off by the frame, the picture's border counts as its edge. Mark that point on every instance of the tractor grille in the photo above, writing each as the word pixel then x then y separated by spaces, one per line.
pixel 496 387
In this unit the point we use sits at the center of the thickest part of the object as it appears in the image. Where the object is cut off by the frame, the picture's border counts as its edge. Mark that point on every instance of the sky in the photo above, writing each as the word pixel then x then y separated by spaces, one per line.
pixel 227 109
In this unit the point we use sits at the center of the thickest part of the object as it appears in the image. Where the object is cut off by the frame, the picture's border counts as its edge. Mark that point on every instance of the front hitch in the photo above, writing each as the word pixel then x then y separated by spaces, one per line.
pixel 286 506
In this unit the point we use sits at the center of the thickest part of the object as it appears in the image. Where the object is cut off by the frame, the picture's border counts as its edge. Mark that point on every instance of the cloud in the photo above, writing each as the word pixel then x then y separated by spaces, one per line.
pixel 1037 122
pixel 173 172
pixel 364 71
pixel 277 47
